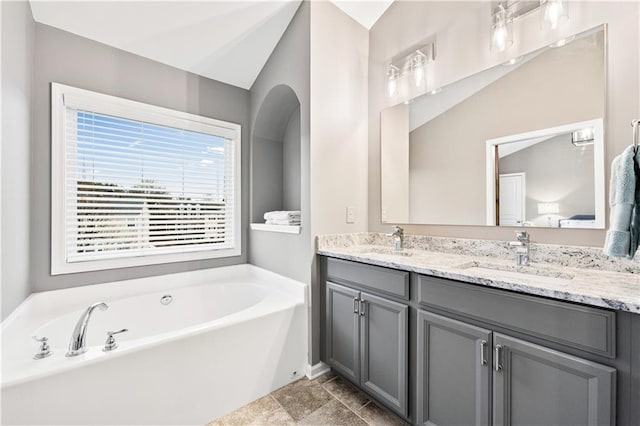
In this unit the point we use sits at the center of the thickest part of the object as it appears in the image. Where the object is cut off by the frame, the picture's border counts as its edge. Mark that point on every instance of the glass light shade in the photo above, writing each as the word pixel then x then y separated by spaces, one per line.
pixel 553 13
pixel 501 30
pixel 392 81
pixel 418 70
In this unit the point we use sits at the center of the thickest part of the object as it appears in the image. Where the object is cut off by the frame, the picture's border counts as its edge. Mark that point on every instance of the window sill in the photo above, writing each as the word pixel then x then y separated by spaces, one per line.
pixel 285 229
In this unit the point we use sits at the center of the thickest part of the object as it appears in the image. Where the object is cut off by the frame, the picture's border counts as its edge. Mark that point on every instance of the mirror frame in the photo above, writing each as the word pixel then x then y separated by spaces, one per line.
pixel 598 165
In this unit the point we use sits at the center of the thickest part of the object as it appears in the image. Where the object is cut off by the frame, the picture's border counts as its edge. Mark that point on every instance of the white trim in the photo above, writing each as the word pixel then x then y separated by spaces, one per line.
pixel 317 370
pixel 285 229
pixel 598 164
pixel 63 96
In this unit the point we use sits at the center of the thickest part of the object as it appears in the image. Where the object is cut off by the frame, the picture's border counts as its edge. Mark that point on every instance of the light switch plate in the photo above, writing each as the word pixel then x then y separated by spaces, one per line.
pixel 351 215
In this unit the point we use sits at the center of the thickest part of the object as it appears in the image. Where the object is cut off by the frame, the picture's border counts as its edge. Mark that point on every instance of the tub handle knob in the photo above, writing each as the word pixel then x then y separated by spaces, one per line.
pixel 45 349
pixel 111 343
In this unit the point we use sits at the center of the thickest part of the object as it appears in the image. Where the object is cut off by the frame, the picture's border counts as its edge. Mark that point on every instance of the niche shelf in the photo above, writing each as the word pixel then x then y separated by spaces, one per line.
pixel 285 229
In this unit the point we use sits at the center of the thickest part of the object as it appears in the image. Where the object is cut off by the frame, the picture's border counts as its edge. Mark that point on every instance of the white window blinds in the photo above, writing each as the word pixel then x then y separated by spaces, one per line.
pixel 134 188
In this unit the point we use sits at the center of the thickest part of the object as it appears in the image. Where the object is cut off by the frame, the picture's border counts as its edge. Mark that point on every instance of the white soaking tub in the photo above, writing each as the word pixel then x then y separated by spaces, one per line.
pixel 230 335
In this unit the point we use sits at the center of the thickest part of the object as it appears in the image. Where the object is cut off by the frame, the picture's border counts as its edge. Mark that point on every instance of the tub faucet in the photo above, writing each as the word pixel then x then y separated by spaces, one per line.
pixel 398 237
pixel 522 248
pixel 77 345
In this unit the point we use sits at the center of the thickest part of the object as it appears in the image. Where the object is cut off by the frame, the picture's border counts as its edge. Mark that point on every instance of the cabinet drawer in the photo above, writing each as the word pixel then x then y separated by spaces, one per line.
pixel 584 328
pixel 382 280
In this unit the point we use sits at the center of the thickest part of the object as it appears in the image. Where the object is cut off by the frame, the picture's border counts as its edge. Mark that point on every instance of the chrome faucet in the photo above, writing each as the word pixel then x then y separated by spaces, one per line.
pixel 77 345
pixel 522 248
pixel 398 237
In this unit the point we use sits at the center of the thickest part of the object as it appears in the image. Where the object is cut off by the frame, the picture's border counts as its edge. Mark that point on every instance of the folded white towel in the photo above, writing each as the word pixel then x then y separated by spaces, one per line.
pixel 622 202
pixel 283 222
pixel 282 215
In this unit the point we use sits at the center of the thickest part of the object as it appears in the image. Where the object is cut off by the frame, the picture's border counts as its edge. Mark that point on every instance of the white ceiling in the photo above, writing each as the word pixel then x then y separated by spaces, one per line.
pixel 228 41
pixel 366 12
pixel 225 40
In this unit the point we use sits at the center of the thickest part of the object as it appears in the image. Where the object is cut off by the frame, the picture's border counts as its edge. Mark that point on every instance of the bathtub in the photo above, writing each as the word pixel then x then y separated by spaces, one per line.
pixel 230 335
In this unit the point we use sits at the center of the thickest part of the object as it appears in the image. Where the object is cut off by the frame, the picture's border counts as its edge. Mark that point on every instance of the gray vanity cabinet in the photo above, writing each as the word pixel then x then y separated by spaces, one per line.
pixel 367 342
pixel 343 330
pixel 453 372
pixel 383 350
pixel 536 385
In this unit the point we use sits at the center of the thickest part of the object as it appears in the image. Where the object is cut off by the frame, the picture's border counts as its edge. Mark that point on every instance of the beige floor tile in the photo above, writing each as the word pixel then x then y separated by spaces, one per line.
pixel 301 398
pixel 333 414
pixel 375 415
pixel 275 418
pixel 346 393
pixel 247 414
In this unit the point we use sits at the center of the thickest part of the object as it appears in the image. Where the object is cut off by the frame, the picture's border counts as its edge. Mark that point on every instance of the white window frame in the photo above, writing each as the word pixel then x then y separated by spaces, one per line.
pixel 63 96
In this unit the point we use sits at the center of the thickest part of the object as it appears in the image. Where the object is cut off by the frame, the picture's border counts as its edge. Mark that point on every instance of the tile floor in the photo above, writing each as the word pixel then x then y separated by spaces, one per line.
pixel 325 401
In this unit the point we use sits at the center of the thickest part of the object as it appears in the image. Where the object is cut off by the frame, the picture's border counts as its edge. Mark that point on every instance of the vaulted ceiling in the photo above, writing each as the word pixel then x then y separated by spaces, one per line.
pixel 228 41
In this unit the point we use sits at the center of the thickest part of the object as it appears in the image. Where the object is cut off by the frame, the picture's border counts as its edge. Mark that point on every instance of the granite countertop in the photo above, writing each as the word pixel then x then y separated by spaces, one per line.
pixel 606 288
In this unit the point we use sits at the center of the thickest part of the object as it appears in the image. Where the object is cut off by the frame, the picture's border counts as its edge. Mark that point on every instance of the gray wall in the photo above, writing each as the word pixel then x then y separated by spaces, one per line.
pixel 69 59
pixel 286 254
pixel 17 68
pixel 463 50
pixel 291 164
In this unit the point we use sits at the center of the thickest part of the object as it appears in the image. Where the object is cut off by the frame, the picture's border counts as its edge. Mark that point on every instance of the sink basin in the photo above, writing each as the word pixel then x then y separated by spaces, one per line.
pixel 514 269
pixel 386 251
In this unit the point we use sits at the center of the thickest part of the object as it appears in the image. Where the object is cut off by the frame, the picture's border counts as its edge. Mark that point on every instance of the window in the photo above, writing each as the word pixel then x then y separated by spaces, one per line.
pixel 135 184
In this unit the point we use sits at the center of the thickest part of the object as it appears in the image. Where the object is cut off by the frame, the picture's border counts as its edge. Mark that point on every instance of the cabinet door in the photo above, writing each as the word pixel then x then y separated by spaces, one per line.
pixel 384 345
pixel 342 328
pixel 534 385
pixel 453 369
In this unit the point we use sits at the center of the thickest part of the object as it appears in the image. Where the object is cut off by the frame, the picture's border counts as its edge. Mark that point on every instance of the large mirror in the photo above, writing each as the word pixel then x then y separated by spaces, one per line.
pixel 520 144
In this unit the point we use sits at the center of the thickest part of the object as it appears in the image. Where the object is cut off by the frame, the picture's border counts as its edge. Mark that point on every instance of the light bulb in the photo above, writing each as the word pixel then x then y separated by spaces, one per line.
pixel 417 67
pixel 501 31
pixel 553 12
pixel 392 81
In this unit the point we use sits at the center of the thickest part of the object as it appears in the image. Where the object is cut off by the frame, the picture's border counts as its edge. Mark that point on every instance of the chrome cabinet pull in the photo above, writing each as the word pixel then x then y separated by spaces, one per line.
pixel 498 352
pixel 483 352
pixel 363 307
pixel 355 305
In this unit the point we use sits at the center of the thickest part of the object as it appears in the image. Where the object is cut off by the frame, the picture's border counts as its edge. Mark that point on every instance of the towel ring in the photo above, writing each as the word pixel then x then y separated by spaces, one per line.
pixel 635 124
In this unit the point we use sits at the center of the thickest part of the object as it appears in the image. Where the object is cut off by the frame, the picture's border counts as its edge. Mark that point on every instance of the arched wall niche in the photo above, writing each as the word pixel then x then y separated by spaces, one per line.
pixel 275 154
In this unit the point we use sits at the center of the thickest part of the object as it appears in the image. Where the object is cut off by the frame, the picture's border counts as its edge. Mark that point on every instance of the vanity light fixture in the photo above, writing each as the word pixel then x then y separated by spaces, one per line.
pixel 408 72
pixel 392 81
pixel 501 29
pixel 553 13
pixel 583 137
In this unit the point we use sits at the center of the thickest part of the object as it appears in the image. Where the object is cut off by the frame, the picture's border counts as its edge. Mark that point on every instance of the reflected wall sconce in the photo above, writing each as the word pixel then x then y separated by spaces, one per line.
pixel 409 69
pixel 553 14
pixel 583 137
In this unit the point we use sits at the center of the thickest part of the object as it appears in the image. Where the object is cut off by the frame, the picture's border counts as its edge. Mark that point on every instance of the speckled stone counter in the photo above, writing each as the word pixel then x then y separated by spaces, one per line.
pixel 576 274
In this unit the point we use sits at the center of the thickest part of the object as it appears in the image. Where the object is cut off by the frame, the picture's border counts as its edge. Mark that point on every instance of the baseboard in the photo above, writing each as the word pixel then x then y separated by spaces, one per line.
pixel 317 370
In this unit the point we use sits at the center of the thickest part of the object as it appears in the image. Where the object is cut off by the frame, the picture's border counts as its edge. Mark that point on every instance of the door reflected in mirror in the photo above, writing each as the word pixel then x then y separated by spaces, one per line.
pixel 434 151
